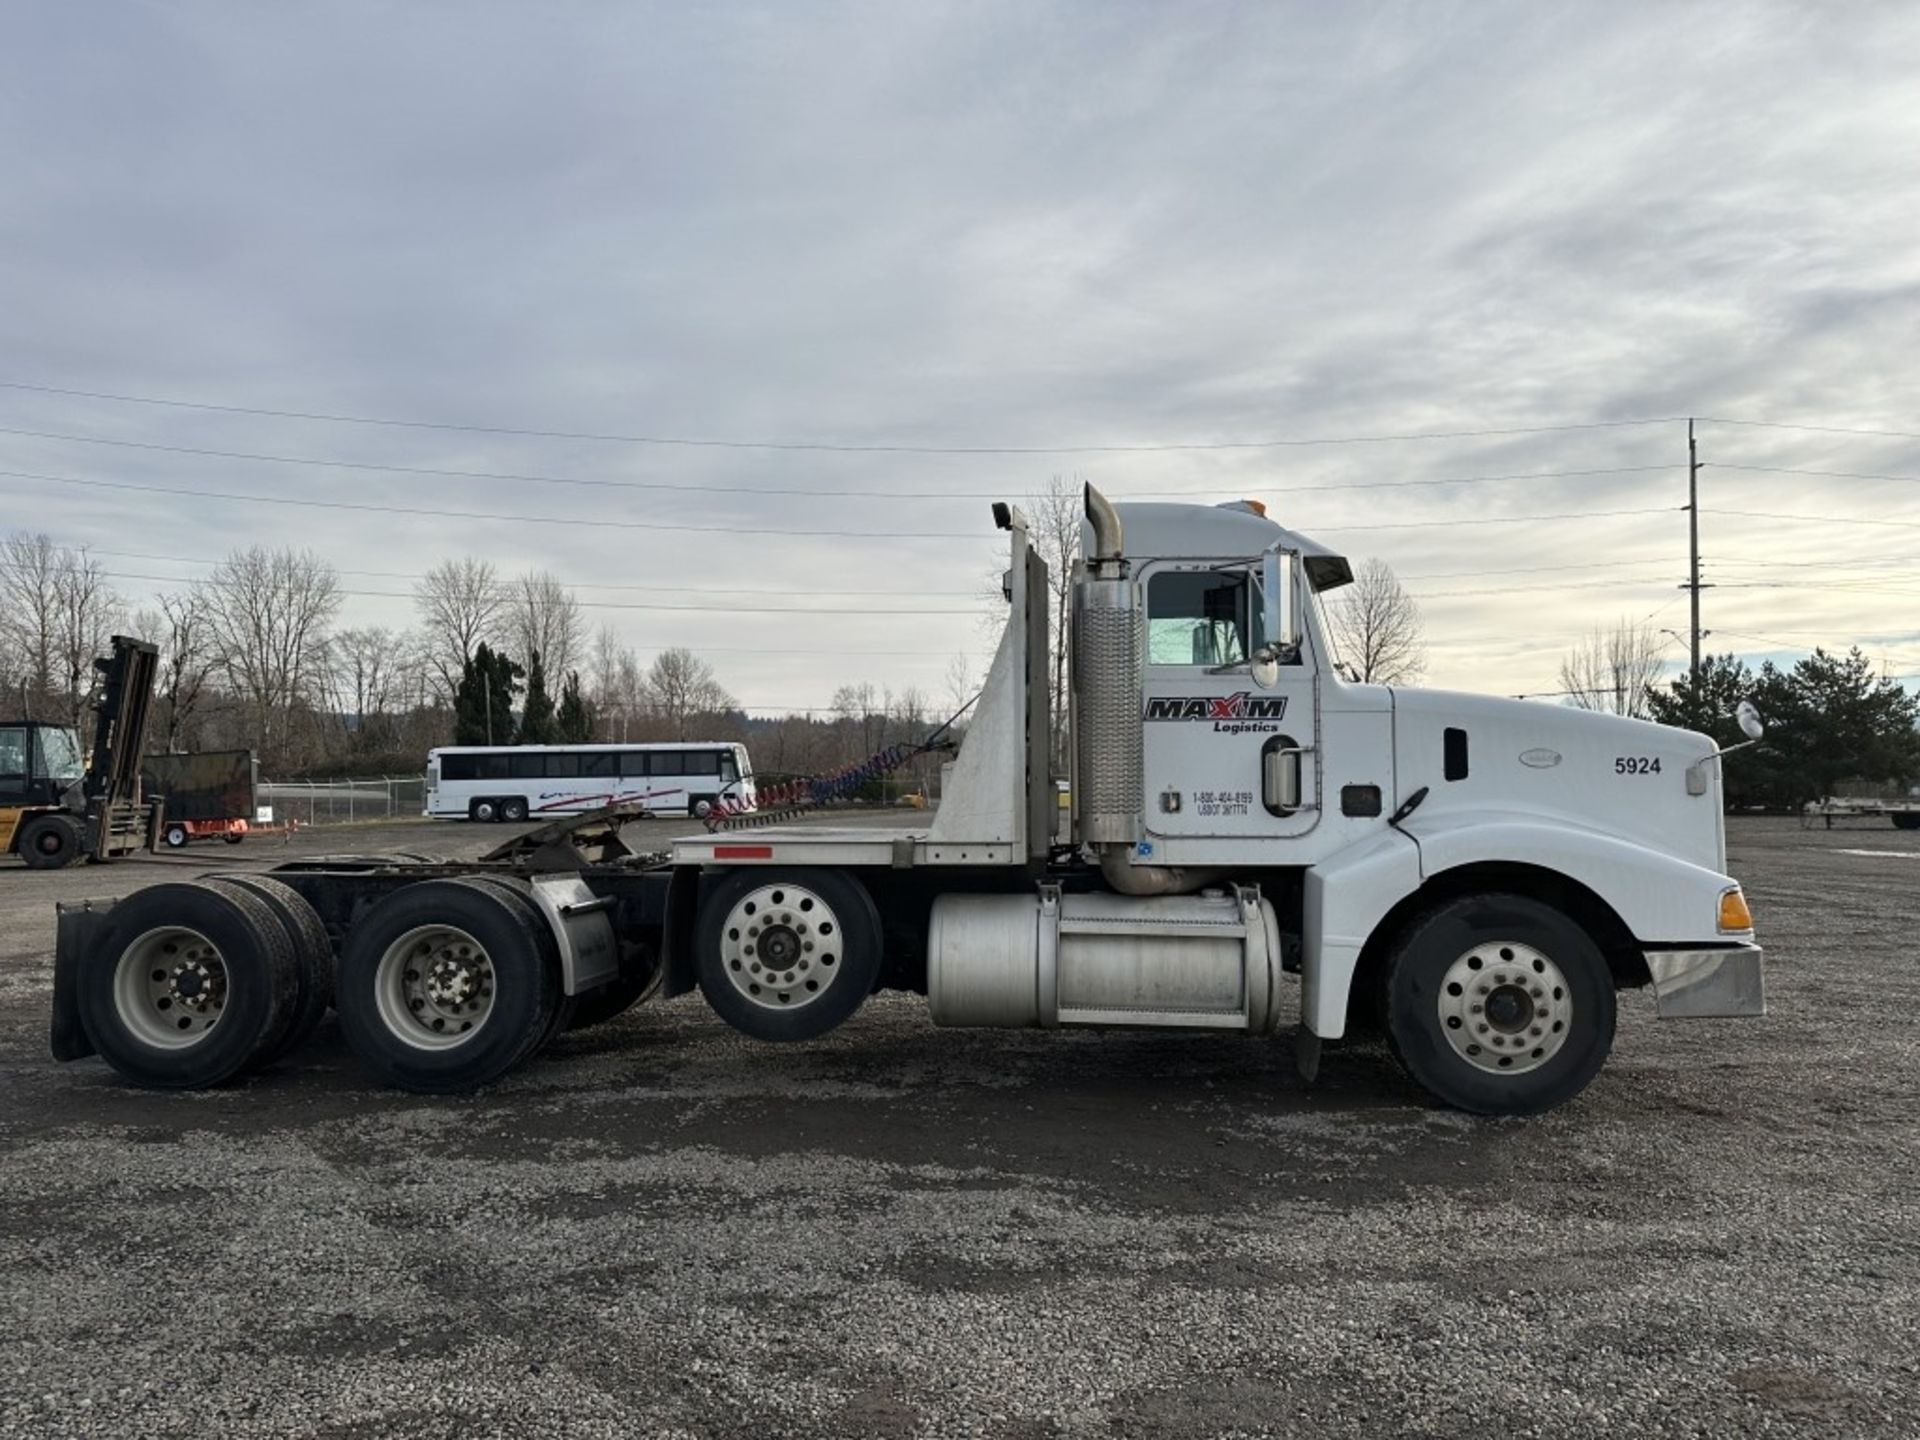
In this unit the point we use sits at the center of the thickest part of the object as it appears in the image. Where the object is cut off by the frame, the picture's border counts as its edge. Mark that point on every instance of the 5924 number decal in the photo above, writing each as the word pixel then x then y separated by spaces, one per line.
pixel 1636 764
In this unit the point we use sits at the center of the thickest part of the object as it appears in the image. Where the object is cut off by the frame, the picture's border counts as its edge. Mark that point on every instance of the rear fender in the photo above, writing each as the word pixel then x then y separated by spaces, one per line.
pixel 78 926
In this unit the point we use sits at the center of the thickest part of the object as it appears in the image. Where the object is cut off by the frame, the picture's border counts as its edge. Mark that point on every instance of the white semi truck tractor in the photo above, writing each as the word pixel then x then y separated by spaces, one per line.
pixel 1253 842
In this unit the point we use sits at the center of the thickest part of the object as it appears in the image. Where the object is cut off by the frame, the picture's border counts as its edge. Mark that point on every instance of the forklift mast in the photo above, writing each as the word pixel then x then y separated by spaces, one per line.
pixel 120 736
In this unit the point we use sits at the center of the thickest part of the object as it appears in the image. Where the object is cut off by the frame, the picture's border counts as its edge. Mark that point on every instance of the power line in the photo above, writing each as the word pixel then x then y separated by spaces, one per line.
pixel 1818 474
pixel 1817 519
pixel 829 446
pixel 1487 520
pixel 519 477
pixel 507 588
pixel 887 614
pixel 1816 429
pixel 598 524
pixel 604 524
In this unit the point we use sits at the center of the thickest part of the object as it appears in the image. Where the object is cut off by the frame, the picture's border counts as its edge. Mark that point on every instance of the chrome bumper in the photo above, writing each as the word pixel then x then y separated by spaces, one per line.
pixel 1700 984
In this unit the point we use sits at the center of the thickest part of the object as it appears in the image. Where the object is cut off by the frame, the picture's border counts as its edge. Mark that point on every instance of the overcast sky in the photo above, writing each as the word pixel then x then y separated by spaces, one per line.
pixel 979 225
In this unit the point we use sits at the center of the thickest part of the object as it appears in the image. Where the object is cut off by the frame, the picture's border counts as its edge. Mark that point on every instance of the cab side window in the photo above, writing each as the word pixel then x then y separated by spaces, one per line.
pixel 1200 617
pixel 13 759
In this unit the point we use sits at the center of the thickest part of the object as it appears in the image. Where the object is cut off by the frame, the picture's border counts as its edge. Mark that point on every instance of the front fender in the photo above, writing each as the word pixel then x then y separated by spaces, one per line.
pixel 1661 899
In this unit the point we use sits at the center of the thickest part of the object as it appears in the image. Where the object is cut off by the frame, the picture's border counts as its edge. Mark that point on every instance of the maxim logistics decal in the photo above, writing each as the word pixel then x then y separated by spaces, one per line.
pixel 1241 713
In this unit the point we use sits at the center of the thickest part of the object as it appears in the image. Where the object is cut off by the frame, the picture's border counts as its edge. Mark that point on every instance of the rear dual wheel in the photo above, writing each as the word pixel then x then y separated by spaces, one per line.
pixel 191 985
pixel 446 985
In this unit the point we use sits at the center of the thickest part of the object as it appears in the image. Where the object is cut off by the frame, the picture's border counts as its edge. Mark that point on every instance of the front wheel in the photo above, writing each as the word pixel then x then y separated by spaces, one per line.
pixel 48 842
pixel 176 836
pixel 787 954
pixel 1499 1004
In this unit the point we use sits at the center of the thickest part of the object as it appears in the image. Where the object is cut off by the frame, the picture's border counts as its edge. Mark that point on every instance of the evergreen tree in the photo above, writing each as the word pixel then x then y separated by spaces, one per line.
pixel 536 713
pixel 573 723
pixel 483 701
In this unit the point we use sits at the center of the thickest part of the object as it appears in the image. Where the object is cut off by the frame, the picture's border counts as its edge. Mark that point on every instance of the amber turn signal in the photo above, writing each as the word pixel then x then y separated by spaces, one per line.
pixel 1734 914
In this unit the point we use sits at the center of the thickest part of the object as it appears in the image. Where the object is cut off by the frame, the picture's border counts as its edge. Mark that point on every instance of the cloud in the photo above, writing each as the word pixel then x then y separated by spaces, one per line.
pixel 996 224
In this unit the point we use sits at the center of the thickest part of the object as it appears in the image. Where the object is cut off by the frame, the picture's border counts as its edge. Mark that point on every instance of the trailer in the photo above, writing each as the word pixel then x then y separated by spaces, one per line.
pixel 1905 814
pixel 208 794
pixel 1251 843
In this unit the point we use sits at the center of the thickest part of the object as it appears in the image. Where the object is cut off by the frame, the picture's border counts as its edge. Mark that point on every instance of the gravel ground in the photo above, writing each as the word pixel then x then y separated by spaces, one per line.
pixel 664 1229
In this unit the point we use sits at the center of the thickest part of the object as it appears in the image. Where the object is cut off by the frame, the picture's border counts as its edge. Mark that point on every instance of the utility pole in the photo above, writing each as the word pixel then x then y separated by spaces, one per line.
pixel 1693 557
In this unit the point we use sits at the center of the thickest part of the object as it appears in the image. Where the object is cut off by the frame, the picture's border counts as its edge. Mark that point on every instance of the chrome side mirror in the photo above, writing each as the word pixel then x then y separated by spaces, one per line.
pixel 1747 717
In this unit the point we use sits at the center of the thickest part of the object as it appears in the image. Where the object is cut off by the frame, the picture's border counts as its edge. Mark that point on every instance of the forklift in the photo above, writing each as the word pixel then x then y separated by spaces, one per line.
pixel 55 807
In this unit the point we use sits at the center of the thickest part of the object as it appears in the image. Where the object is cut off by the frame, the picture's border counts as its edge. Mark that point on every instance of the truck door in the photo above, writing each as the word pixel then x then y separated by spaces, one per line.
pixel 1207 725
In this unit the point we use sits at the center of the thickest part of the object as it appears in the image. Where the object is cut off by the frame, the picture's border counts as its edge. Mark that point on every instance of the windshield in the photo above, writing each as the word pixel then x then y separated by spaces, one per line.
pixel 56 755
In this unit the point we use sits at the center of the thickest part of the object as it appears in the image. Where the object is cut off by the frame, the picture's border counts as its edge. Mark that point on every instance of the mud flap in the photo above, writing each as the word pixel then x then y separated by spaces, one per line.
pixel 1306 1053
pixel 78 928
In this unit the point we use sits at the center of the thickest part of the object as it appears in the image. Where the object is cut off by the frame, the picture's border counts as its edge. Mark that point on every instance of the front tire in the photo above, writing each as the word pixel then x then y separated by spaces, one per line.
pixel 787 954
pixel 1499 1005
pixel 176 836
pixel 48 842
pixel 446 985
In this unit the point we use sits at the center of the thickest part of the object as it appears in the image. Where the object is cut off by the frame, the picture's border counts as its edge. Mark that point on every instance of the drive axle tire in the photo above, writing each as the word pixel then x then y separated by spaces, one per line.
pixel 48 842
pixel 787 954
pixel 313 952
pixel 187 985
pixel 1906 821
pixel 446 985
pixel 516 893
pixel 513 811
pixel 1499 1004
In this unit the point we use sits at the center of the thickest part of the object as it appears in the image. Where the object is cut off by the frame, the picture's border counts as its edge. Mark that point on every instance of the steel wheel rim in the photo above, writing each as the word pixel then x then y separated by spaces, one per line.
pixel 170 987
pixel 435 987
pixel 1505 1007
pixel 781 946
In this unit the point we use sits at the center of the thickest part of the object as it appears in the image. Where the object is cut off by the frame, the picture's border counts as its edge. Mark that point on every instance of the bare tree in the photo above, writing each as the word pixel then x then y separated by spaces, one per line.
pixel 1612 670
pixel 267 614
pixel 179 629
pixel 545 619
pixel 30 613
pixel 88 613
pixel 1376 626
pixel 679 686
pixel 365 676
pixel 1054 530
pixel 458 602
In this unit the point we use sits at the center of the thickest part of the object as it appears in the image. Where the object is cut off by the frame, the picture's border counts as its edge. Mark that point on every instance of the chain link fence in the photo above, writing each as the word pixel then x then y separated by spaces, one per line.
pixel 334 802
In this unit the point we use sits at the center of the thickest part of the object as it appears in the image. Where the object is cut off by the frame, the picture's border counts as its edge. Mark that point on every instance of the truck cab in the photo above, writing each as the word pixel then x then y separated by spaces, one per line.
pixel 1476 876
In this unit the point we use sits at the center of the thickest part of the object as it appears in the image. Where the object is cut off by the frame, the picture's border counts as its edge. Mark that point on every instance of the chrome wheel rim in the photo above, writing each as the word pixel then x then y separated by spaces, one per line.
pixel 170 987
pixel 435 987
pixel 1505 1007
pixel 781 946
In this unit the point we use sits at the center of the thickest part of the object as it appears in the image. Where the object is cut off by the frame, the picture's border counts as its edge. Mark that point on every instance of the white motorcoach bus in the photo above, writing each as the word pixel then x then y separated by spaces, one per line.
pixel 521 782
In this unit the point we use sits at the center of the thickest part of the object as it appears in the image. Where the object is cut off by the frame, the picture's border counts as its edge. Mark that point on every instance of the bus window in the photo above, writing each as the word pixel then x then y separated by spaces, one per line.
pixel 492 767
pixel 669 762
pixel 703 762
pixel 459 767
pixel 633 762
pixel 563 766
pixel 600 764
pixel 528 767
pixel 729 772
